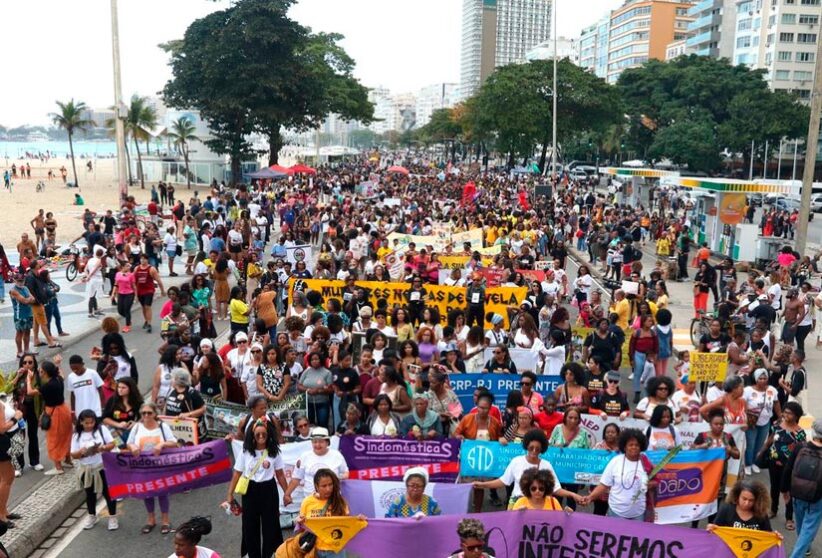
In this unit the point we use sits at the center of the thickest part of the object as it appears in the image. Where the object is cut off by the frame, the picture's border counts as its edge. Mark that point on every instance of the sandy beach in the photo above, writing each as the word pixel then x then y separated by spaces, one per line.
pixel 98 189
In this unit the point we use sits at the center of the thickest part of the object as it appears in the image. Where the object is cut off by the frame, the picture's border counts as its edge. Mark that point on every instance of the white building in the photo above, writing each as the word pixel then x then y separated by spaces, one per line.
pixel 392 112
pixel 497 33
pixel 435 97
pixel 566 48
pixel 713 30
pixel 675 49
pixel 779 37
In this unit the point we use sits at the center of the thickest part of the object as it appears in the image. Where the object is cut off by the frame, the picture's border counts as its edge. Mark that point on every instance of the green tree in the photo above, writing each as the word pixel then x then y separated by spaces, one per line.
pixel 71 118
pixel 141 119
pixel 689 143
pixel 362 139
pixel 182 133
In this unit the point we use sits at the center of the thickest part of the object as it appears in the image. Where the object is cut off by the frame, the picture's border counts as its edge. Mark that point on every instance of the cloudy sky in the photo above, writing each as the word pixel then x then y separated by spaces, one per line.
pixel 58 49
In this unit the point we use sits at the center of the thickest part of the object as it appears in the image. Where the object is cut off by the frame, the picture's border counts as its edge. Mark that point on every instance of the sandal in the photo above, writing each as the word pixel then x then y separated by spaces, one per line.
pixel 790 525
pixel 55 346
pixel 165 529
pixel 147 528
pixel 40 344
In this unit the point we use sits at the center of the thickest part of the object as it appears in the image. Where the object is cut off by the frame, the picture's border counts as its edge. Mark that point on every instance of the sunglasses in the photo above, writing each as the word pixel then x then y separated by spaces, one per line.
pixel 473 547
pixel 242 342
pixel 536 488
pixel 662 388
pixel 146 413
pixel 255 351
pixel 28 362
pixel 527 383
pixel 613 381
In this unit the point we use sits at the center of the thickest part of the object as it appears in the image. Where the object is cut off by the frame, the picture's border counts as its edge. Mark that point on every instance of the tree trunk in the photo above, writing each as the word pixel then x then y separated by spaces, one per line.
pixel 139 164
pixel 188 172
pixel 275 143
pixel 73 165
pixel 128 161
pixel 543 154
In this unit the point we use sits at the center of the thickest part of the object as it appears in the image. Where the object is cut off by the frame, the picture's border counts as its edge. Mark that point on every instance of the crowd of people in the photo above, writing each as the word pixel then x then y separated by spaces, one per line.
pixel 373 367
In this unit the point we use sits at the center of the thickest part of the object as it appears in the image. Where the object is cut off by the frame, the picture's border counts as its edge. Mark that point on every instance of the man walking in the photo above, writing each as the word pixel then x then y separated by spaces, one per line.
pixel 802 481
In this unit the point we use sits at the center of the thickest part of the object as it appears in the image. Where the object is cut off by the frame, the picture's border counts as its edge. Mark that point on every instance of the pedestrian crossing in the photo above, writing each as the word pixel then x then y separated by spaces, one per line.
pixel 682 339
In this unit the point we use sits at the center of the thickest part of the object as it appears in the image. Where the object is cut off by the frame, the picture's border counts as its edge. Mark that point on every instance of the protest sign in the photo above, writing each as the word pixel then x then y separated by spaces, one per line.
pixel 474 236
pixel 373 498
pixel 223 417
pixel 460 262
pixel 175 470
pixel 708 367
pixel 301 253
pixel 534 533
pixel 687 487
pixel 444 298
pixel 371 458
pixel 498 384
pixel 575 466
pixel 184 429
pixel 524 359
pixel 333 533
pixel 490 250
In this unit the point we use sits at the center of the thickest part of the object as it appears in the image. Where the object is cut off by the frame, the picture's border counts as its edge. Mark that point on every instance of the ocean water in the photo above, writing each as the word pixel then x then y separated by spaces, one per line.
pixel 82 148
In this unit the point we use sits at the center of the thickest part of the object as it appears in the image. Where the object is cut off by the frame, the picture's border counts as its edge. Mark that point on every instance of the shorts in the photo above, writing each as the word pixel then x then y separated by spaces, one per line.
pixel 146 299
pixel 5 445
pixel 39 231
pixel 235 249
pixel 23 324
pixel 171 253
pixel 38 312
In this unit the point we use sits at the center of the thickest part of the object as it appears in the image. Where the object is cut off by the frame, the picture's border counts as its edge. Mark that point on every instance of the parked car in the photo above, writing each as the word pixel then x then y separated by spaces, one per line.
pixel 756 200
pixel 790 204
pixel 816 203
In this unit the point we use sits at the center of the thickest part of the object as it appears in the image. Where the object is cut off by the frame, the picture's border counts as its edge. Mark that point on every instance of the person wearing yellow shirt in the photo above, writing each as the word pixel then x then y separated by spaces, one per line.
pixel 663 246
pixel 238 311
pixel 327 501
pixel 537 487
pixel 622 308
pixel 491 235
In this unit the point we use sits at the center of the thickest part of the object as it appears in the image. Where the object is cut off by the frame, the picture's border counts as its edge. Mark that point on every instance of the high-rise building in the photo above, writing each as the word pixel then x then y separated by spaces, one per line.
pixel 435 97
pixel 713 29
pixel 779 37
pixel 638 31
pixel 497 33
pixel 392 112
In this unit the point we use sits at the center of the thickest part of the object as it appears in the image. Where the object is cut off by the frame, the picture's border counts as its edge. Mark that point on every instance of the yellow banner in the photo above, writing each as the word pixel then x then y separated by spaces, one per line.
pixel 474 236
pixel 490 250
pixel 708 367
pixel 333 533
pixel 746 543
pixel 445 298
pixel 458 262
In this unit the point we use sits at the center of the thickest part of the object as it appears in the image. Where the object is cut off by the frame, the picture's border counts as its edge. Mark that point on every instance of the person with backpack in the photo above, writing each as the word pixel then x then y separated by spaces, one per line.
pixel 802 482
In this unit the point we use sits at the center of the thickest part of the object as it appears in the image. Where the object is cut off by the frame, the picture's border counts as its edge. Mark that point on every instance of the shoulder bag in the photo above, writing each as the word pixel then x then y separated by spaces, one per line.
pixel 242 482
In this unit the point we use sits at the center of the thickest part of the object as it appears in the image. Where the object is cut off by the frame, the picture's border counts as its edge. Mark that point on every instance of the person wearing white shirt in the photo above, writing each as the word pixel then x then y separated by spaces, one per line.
pixel 261 465
pixel 775 296
pixel 321 456
pixel 87 447
pixel 626 478
pixel 85 386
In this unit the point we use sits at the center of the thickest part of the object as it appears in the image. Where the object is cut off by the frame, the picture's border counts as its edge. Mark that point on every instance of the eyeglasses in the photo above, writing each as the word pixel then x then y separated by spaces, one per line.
pixel 146 413
pixel 473 547
pixel 613 381
pixel 242 342
pixel 536 488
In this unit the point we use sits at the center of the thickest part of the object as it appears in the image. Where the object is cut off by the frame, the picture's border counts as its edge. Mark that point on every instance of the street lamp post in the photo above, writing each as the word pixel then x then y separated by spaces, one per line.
pixel 810 153
pixel 120 111
pixel 554 97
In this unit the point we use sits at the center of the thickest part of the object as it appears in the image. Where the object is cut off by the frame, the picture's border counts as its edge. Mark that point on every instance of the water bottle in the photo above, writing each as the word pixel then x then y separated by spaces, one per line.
pixel 21 424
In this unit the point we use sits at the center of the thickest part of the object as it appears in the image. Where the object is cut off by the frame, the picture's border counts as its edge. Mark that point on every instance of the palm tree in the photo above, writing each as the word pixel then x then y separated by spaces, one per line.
pixel 71 118
pixel 182 132
pixel 141 119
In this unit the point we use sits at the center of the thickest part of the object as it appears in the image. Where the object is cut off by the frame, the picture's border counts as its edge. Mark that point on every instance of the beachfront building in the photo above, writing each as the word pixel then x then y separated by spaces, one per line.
pixel 713 29
pixel 435 97
pixel 497 33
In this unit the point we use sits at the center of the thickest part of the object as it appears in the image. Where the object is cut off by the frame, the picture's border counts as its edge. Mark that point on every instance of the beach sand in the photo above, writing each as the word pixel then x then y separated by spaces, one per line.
pixel 98 189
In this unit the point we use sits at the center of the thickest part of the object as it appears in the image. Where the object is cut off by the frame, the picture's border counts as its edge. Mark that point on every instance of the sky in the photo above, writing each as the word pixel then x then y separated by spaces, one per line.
pixel 63 49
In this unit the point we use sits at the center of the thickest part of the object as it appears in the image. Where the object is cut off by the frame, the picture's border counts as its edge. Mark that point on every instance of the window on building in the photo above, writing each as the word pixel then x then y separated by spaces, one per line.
pixel 802 76
pixel 783 75
pixel 809 19
pixel 755 41
pixel 809 2
pixel 804 56
pixel 681 11
pixel 743 42
pixel 784 55
pixel 786 37
pixel 806 38
pixel 802 93
pixel 788 19
pixel 744 24
pixel 771 21
pixel 789 2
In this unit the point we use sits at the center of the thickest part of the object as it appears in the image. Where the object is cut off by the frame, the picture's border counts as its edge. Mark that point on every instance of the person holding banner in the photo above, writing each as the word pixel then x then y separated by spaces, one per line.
pixel 716 437
pixel 122 410
pixel 625 478
pixel 321 457
pixel 746 507
pixel 261 465
pixel 325 501
pixel 480 426
pixel 414 503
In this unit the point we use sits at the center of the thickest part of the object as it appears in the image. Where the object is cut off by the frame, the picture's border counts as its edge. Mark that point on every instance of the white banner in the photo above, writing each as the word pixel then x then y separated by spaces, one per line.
pixel 301 253
pixel 524 359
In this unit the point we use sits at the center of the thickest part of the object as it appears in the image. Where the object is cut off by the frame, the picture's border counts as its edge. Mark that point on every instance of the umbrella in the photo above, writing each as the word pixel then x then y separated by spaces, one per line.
pixel 398 169
pixel 302 169
pixel 281 169
pixel 267 173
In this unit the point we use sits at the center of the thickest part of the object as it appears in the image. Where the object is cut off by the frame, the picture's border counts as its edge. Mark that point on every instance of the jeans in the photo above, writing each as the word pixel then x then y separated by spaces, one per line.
pixel 53 311
pixel 640 517
pixel 639 367
pixel 755 437
pixel 2 289
pixel 318 413
pixel 808 518
pixel 581 243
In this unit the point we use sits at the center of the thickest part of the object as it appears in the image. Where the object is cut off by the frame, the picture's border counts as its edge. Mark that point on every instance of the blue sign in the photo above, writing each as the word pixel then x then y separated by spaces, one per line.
pixel 499 384
pixel 575 466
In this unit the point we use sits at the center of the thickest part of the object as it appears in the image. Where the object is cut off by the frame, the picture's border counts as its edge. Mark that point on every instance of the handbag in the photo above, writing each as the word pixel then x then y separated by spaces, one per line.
pixel 45 421
pixel 178 250
pixel 242 482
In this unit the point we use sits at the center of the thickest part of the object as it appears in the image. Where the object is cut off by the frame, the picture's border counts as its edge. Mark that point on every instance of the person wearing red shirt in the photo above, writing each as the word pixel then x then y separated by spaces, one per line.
pixel 494 412
pixel 549 417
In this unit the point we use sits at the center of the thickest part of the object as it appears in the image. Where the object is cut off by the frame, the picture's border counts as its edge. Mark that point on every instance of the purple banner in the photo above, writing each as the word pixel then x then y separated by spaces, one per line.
pixel 175 470
pixel 372 498
pixel 547 534
pixel 372 458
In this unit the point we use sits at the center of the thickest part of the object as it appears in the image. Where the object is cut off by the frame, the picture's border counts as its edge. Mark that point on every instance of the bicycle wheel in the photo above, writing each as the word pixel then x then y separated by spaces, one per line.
pixel 698 329
pixel 71 271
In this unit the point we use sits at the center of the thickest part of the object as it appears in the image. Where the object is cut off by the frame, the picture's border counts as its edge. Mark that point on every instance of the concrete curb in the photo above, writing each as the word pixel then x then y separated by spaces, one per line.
pixel 43 511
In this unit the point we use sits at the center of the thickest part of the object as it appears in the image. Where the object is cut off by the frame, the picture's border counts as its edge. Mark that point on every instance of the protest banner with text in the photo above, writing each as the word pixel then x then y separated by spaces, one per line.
pixel 373 498
pixel 498 384
pixel 372 458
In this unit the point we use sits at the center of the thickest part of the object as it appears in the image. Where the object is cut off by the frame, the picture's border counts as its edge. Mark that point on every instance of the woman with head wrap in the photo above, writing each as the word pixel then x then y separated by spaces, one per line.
pixel 414 503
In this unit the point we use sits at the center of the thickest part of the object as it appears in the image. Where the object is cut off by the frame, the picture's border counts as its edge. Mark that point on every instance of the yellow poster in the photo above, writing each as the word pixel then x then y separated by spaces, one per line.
pixel 333 533
pixel 445 298
pixel 459 262
pixel 747 543
pixel 474 236
pixel 708 367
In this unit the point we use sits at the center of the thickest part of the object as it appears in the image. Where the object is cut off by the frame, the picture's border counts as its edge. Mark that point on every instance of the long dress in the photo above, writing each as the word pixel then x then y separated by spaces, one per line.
pixel 221 290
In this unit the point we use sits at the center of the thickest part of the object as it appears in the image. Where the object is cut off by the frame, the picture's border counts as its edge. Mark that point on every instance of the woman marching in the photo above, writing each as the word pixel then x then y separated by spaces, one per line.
pixel 88 442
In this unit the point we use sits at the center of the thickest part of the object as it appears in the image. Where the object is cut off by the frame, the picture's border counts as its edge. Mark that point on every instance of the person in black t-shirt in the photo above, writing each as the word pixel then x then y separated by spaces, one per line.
pixel 763 311
pixel 346 380
pixel 595 377
pixel 185 401
pixel 604 344
pixel 611 400
pixel 715 341
pixel 746 507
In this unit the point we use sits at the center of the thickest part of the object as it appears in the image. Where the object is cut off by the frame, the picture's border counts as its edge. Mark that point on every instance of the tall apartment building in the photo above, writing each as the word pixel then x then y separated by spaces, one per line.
pixel 497 33
pixel 636 32
pixel 779 36
pixel 435 97
pixel 713 30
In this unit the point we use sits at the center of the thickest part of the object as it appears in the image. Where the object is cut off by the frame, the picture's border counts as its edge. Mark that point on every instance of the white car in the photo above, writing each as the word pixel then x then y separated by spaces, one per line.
pixel 816 203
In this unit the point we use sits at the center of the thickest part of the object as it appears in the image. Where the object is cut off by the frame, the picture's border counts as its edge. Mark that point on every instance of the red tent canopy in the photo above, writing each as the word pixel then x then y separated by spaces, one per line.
pixel 280 168
pixel 398 169
pixel 302 169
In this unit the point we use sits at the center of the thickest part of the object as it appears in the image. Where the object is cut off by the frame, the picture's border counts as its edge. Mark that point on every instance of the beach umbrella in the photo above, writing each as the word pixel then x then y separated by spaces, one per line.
pixel 267 173
pixel 302 169
pixel 398 169
pixel 284 170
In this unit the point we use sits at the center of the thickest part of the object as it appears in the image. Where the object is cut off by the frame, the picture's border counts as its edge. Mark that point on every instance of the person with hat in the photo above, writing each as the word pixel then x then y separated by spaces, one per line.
pixel 414 503
pixel 321 456
pixel 496 336
pixel 452 359
pixel 184 401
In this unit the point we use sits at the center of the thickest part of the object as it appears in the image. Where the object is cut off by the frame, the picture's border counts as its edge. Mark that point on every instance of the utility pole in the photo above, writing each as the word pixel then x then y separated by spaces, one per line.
pixel 810 154
pixel 120 111
pixel 554 114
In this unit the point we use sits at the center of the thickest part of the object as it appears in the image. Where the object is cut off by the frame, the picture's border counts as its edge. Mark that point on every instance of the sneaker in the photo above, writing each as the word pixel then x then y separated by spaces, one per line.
pixel 631 376
pixel 145 326
pixel 18 474
pixel 38 467
pixel 113 524
pixel 755 469
pixel 91 521
pixel 748 471
pixel 126 329
pixel 54 472
pixel 148 328
pixel 91 316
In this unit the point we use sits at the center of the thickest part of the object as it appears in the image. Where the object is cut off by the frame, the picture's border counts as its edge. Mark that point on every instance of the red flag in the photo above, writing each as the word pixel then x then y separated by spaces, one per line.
pixel 523 200
pixel 468 192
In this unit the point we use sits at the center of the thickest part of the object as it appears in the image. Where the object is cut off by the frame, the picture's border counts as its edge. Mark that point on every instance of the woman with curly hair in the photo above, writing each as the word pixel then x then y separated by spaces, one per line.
pixel 472 540
pixel 746 507
pixel 537 485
